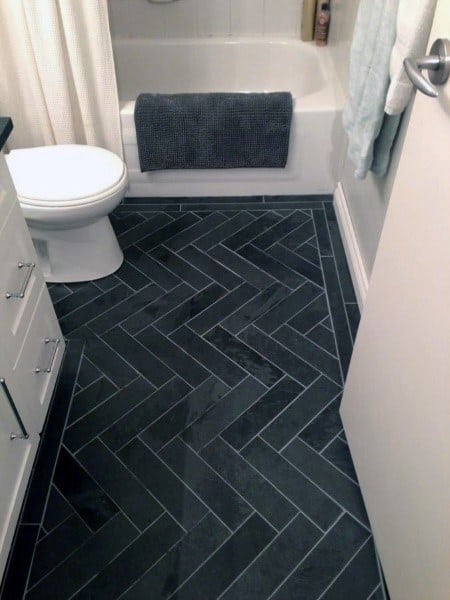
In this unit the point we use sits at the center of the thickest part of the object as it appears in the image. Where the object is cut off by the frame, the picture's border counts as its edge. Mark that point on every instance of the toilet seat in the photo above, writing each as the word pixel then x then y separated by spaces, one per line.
pixel 65 175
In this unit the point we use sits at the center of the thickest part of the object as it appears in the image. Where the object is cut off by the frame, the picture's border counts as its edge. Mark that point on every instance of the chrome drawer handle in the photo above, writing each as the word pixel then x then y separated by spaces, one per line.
pixel 23 435
pixel 48 368
pixel 26 281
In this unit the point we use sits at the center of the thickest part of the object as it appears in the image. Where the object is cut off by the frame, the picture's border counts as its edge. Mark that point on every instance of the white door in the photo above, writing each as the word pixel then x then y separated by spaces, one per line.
pixel 396 404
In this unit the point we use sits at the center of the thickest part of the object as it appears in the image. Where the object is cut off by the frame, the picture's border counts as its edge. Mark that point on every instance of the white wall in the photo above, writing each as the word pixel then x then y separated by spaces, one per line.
pixel 197 18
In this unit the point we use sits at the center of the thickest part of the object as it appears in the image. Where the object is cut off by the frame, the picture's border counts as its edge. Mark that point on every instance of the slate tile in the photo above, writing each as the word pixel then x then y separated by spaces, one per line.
pixel 276 269
pixel 189 235
pixel 210 267
pixel 143 361
pixel 339 454
pixel 167 488
pixel 57 545
pixel 223 307
pixel 81 296
pixel 133 235
pixel 221 499
pixel 202 431
pixel 190 308
pixel 181 268
pixel 245 427
pixel 90 397
pixel 223 231
pixel 122 223
pixel 323 337
pixel 301 200
pixel 323 237
pixel 57 510
pixel 78 487
pixel 288 307
pixel 319 432
pixel 86 562
pixel 131 304
pixel 245 269
pixel 298 414
pixel 226 370
pixel 151 268
pixel 204 397
pixel 353 319
pixel 341 262
pixel 131 276
pixel 378 594
pixel 125 490
pixel 15 576
pixel 326 560
pixel 181 561
pixel 256 307
pixel 217 573
pixel 158 308
pixel 99 419
pixel 134 561
pixel 252 230
pixel 58 292
pixel 276 562
pixel 309 315
pixel 167 231
pixel 280 230
pixel 142 413
pixel 289 481
pixel 308 252
pixel 327 478
pixel 107 283
pixel 88 373
pixel 258 492
pixel 300 235
pixel 295 262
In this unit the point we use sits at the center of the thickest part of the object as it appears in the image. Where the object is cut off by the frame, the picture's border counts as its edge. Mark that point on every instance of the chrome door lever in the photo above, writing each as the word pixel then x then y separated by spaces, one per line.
pixel 438 65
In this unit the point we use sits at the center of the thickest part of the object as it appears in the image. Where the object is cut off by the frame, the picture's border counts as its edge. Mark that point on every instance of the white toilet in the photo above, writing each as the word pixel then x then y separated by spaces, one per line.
pixel 66 193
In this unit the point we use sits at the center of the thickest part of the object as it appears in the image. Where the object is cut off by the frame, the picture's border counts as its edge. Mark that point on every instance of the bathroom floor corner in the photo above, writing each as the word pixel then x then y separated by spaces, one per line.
pixel 203 456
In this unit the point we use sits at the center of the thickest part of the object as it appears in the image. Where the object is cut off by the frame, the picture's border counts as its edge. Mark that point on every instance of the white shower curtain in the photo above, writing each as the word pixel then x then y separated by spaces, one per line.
pixel 57 77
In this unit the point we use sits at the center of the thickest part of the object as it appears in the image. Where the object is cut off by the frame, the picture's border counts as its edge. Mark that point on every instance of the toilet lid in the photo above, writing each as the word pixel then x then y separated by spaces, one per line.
pixel 63 172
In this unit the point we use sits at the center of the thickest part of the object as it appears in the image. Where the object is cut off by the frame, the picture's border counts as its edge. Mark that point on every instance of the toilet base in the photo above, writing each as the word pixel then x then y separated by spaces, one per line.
pixel 79 254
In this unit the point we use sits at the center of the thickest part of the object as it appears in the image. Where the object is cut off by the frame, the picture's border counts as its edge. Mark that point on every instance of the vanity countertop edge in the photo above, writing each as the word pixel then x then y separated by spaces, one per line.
pixel 6 126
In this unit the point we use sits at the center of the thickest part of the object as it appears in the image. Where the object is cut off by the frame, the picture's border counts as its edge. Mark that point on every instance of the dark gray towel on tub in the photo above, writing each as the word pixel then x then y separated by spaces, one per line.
pixel 213 131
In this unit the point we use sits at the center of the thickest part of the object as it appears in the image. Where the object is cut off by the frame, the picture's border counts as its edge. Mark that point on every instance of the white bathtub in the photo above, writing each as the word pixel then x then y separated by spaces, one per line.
pixel 238 65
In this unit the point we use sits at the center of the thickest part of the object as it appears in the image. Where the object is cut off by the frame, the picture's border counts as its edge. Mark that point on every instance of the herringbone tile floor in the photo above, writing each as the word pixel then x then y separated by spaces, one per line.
pixel 203 455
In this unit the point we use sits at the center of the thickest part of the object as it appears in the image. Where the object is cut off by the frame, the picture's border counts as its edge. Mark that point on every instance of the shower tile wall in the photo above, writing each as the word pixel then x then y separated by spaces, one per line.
pixel 198 18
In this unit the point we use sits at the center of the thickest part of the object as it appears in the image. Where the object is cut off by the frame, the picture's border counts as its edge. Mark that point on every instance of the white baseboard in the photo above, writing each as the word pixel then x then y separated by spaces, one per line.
pixel 351 246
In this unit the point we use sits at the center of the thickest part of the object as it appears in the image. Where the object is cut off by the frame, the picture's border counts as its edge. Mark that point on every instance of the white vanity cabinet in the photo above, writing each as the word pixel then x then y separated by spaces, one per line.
pixel 31 351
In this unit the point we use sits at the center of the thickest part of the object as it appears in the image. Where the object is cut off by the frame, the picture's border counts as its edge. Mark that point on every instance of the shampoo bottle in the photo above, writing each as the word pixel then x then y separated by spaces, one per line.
pixel 322 24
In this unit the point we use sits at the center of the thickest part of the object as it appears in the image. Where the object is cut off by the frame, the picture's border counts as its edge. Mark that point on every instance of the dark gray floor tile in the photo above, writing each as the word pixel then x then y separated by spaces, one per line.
pixel 183 414
pixel 99 419
pixel 304 494
pixel 221 498
pixel 131 304
pixel 77 486
pixel 134 561
pixel 378 594
pixel 258 492
pixel 323 337
pixel 125 490
pixel 122 223
pixel 210 267
pixel 339 454
pixel 288 307
pixel 57 511
pixel 142 413
pixel 300 199
pixel 58 292
pixel 90 397
pixel 217 573
pixel 150 209
pixel 295 262
pixel 86 562
pixel 142 230
pixel 222 232
pixel 244 355
pixel 88 373
pixel 202 431
pixel 131 276
pixel 226 370
pixel 222 308
pixel 189 235
pixel 279 355
pixel 167 488
pixel 308 252
pixel 173 356
pixel 163 234
pixel 143 361
pixel 272 266
pixel 324 563
pixel 81 295
pixel 252 230
pixel 190 308
pixel 309 352
pixel 180 562
pixel 323 237
pixel 276 562
pixel 152 268
pixel 227 206
pixel 241 431
pixel 158 308
pixel 245 269
pixel 310 315
pixel 57 545
pixel 107 283
pixel 300 412
pixel 353 318
pixel 181 268
pixel 324 427
pixel 280 230
pixel 339 255
pixel 256 307
pixel 300 235
pixel 327 478
pixel 14 580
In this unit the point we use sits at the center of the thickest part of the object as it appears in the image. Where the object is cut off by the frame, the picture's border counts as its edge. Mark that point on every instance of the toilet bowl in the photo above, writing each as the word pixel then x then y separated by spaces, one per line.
pixel 66 193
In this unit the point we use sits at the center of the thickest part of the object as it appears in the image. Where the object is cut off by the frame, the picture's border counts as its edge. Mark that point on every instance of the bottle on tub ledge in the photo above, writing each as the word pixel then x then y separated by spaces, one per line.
pixel 322 24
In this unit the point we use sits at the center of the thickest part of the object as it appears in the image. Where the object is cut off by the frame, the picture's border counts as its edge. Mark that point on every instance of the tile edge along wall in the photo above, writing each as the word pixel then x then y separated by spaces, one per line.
pixel 200 18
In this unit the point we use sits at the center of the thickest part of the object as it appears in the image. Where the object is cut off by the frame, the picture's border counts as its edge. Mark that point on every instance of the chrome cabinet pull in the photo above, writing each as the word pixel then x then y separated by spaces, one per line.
pixel 48 368
pixel 21 293
pixel 438 65
pixel 23 435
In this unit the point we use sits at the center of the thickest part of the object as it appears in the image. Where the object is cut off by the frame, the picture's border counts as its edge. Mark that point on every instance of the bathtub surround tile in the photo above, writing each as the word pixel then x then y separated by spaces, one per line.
pixel 247 17
pixel 282 18
pixel 204 454
pixel 214 18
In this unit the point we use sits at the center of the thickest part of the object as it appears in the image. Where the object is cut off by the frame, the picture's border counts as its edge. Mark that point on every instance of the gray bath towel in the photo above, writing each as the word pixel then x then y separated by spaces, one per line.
pixel 213 131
